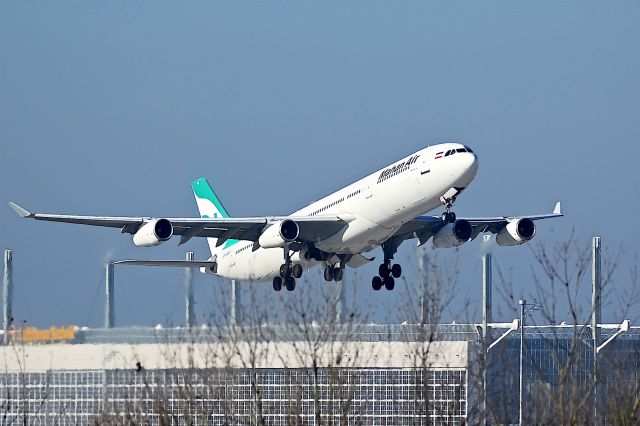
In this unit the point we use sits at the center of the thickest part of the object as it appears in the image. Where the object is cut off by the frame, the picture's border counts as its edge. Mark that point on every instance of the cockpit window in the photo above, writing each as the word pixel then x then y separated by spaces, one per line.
pixel 448 153
pixel 461 150
pixel 468 149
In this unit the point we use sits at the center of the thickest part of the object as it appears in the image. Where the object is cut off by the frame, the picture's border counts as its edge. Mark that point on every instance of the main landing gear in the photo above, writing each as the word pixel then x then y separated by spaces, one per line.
pixel 387 274
pixel 333 273
pixel 336 273
pixel 288 273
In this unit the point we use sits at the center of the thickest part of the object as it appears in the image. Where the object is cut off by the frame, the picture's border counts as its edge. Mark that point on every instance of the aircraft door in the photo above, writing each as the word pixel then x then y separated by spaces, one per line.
pixel 423 166
pixel 423 174
pixel 368 193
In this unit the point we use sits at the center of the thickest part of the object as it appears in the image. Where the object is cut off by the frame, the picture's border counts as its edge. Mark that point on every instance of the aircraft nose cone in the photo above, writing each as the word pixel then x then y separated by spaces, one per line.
pixel 473 167
pixel 469 167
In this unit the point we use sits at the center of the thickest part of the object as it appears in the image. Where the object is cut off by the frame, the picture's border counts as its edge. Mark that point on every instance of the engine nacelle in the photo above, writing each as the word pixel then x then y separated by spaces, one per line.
pixel 153 233
pixel 453 234
pixel 516 232
pixel 279 234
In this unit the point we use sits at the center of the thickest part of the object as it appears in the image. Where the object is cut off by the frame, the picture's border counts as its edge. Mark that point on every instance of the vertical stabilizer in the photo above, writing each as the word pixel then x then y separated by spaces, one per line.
pixel 209 206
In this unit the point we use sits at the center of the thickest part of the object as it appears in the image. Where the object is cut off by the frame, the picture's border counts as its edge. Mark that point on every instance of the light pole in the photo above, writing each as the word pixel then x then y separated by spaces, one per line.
pixel 523 303
pixel 7 294
pixel 596 316
pixel 487 318
pixel 523 313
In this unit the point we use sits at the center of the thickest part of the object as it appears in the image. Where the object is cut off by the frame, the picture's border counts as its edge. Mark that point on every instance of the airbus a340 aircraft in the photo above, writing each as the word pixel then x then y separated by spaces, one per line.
pixel 382 209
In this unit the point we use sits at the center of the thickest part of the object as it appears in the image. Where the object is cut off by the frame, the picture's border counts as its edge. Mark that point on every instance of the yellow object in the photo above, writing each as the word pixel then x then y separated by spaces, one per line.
pixel 32 334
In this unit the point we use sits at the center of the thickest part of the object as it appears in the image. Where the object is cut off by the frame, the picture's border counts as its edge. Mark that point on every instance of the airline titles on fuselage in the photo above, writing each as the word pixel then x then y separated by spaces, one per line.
pixel 397 168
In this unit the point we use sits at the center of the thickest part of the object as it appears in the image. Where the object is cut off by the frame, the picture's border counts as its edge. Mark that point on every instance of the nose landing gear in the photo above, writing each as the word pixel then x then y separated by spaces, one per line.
pixel 448 216
pixel 449 199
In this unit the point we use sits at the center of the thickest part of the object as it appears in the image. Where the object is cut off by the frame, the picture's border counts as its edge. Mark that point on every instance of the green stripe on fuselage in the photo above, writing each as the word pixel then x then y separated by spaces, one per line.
pixel 229 243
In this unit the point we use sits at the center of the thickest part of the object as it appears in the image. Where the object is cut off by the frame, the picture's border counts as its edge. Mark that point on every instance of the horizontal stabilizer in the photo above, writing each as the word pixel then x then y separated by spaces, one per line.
pixel 175 263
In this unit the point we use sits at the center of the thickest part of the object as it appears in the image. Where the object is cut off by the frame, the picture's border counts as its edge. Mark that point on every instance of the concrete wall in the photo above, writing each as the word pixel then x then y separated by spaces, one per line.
pixel 39 358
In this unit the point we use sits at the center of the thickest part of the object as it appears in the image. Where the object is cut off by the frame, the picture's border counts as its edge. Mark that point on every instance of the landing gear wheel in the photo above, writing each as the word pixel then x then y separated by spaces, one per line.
pixel 383 270
pixel 376 283
pixel 389 283
pixel 277 283
pixel 396 270
pixel 328 273
pixel 283 270
pixel 338 273
pixel 296 271
pixel 449 217
pixel 290 283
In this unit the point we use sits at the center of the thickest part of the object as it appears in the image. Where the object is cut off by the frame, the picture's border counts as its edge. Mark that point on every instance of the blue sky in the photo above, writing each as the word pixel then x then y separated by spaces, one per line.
pixel 114 108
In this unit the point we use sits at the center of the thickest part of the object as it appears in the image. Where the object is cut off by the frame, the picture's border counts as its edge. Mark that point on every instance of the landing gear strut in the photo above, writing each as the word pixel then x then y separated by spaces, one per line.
pixel 448 215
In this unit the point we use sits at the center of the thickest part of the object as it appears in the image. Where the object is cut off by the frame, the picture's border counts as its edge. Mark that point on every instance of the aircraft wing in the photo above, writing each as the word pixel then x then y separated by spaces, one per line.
pixel 312 228
pixel 425 227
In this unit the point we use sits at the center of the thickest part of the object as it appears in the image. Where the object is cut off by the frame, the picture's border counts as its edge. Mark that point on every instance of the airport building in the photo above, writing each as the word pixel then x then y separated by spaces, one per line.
pixel 372 374
pixel 364 375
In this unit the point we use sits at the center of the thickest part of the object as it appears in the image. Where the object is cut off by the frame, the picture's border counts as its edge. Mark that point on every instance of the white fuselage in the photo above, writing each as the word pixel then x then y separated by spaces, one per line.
pixel 377 206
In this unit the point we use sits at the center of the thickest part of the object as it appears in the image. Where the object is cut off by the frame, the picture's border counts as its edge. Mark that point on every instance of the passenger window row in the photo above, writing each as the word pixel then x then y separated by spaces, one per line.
pixel 353 194
pixel 243 248
pixel 327 206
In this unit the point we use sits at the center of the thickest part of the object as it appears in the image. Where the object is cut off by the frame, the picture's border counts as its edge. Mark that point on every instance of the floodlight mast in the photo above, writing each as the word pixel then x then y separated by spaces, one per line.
pixel 109 296
pixel 7 295
pixel 596 316
pixel 188 294
pixel 522 303
pixel 486 318
pixel 523 314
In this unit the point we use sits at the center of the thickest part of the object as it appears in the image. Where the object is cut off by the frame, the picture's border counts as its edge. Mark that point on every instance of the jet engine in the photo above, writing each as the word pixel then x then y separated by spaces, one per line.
pixel 517 231
pixel 279 234
pixel 453 234
pixel 153 233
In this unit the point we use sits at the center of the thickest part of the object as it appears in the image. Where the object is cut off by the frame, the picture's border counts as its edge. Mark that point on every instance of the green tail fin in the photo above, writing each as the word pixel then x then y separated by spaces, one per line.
pixel 208 202
pixel 210 207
